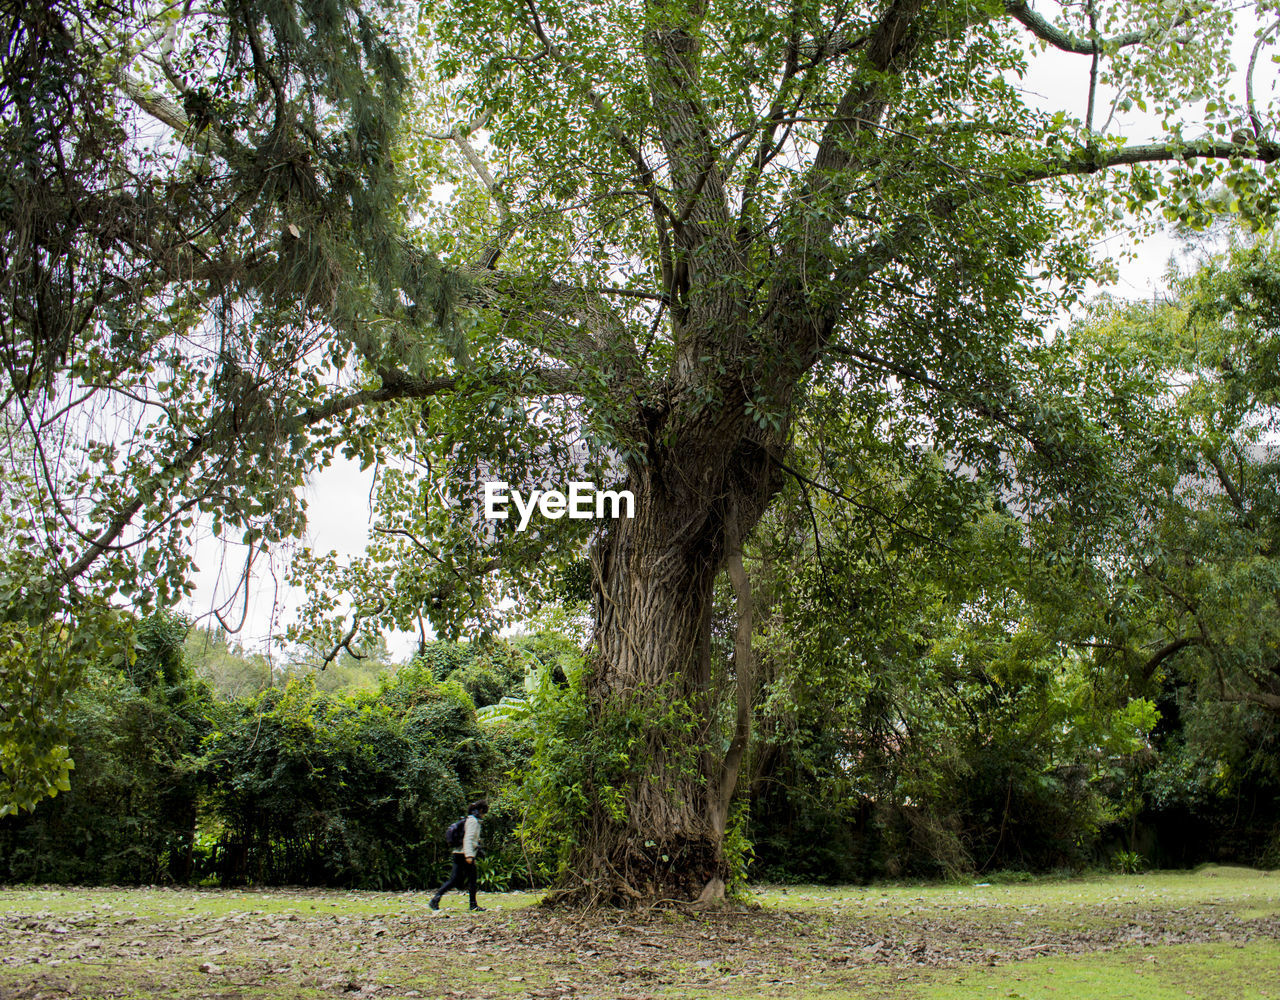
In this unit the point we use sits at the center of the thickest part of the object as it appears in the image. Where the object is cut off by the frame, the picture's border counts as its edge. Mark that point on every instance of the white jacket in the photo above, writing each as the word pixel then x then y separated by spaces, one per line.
pixel 471 836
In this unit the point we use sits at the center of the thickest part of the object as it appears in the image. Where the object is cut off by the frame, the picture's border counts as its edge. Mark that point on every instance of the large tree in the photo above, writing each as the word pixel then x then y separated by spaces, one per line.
pixel 635 240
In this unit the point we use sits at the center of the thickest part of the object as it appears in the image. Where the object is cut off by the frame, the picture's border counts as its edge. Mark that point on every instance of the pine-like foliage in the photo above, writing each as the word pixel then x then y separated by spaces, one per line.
pixel 199 218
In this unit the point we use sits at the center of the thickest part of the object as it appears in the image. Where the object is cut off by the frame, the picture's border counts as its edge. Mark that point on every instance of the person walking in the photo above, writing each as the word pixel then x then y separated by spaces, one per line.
pixel 464 858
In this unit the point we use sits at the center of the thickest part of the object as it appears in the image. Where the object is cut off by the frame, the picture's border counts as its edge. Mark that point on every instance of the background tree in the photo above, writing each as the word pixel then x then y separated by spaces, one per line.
pixel 1179 567
pixel 1179 598
pixel 923 711
pixel 289 785
pixel 225 665
pixel 683 220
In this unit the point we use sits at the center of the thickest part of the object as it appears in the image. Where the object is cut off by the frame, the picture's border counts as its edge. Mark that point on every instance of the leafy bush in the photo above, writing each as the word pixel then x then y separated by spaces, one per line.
pixel 354 789
pixel 584 763
pixel 289 785
pixel 129 813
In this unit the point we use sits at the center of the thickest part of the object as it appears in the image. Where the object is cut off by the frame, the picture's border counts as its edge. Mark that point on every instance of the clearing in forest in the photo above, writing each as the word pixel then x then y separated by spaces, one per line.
pixel 1213 933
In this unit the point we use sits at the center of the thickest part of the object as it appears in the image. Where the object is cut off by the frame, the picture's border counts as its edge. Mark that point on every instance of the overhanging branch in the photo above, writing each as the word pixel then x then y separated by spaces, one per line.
pixel 1059 39
pixel 911 228
pixel 540 382
pixel 1101 157
pixel 168 113
pixel 1164 652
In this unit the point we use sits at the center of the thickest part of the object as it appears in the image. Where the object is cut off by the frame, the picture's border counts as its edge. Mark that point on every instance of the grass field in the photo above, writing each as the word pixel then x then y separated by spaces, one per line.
pixel 1212 934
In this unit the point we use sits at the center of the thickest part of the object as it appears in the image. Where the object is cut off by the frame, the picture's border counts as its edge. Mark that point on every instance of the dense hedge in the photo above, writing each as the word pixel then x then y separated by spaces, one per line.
pixel 130 814
pixel 289 786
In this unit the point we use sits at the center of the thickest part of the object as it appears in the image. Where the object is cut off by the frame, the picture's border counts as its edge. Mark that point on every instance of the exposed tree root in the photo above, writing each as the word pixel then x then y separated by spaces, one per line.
pixel 634 876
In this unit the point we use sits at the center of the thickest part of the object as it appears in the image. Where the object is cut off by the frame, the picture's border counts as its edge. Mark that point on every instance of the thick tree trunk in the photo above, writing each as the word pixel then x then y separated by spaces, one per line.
pixel 654 578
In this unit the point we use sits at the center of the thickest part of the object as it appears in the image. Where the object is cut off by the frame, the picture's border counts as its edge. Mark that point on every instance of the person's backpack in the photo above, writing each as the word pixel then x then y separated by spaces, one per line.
pixel 456 831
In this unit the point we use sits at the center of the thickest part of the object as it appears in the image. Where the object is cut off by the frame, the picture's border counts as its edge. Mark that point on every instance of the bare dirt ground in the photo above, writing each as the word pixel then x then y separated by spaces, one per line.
pixel 802 941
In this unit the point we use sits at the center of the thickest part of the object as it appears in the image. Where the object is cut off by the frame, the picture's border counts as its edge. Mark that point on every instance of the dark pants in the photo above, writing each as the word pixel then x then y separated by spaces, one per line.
pixel 463 875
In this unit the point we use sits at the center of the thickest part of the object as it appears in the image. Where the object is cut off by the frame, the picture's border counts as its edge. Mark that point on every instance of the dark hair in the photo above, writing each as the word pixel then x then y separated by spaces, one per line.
pixel 481 807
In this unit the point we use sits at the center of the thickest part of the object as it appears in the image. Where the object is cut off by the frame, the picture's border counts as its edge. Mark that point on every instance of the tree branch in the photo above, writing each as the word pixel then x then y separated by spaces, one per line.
pixel 840 495
pixel 152 485
pixel 643 170
pixel 1263 699
pixel 1237 501
pixel 1101 157
pixel 345 641
pixel 1252 108
pixel 168 113
pixel 1093 69
pixel 395 385
pixel 1055 36
pixel 1164 652
pixel 862 104
pixel 966 395
pixel 497 243
pixel 818 51
pixel 911 228
pixel 767 148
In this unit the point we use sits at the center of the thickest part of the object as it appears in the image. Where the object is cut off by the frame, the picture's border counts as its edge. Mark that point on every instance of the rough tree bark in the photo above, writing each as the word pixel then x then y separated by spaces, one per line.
pixel 654 577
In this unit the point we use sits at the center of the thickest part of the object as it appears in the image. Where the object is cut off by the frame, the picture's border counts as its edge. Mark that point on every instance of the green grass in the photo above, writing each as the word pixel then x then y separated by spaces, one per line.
pixel 1205 971
pixel 1063 905
pixel 1212 934
pixel 1209 883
